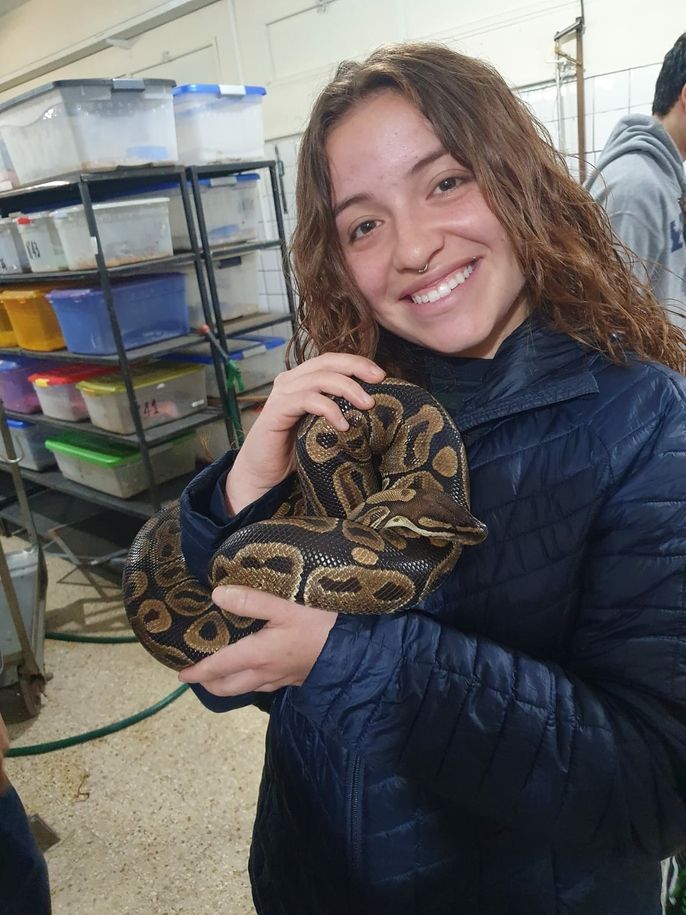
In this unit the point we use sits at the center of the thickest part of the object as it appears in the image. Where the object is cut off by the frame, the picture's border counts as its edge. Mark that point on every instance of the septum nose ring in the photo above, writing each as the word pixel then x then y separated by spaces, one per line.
pixel 424 268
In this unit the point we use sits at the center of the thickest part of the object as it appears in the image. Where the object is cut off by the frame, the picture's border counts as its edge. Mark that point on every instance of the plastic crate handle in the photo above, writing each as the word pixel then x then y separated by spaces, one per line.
pixel 133 85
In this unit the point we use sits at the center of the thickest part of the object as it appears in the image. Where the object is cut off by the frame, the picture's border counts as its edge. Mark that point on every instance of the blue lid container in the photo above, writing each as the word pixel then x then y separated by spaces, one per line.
pixel 149 310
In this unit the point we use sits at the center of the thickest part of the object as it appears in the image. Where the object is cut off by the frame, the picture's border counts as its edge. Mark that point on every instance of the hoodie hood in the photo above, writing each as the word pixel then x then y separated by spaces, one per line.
pixel 640 133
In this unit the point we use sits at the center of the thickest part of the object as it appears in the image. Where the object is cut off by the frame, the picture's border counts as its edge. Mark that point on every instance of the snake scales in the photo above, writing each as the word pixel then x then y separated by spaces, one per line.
pixel 378 517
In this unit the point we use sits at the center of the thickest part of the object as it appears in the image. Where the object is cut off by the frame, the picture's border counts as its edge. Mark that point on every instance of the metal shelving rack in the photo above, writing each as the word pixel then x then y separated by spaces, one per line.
pixel 89 188
pixel 220 254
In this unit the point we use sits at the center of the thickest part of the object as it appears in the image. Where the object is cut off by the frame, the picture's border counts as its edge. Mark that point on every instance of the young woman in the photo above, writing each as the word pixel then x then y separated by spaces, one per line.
pixel 517 744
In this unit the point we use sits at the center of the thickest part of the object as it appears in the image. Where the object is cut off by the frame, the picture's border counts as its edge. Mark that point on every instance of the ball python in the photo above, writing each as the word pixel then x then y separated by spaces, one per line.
pixel 377 518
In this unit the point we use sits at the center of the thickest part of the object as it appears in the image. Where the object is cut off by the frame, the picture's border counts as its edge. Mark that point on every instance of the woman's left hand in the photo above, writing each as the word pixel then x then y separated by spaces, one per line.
pixel 282 653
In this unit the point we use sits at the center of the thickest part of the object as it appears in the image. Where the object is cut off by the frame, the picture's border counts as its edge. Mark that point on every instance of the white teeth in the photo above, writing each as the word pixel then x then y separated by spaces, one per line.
pixel 445 287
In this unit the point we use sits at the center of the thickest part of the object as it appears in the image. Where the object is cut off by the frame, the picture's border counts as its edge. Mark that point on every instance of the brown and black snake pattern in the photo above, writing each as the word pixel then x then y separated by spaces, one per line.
pixel 378 518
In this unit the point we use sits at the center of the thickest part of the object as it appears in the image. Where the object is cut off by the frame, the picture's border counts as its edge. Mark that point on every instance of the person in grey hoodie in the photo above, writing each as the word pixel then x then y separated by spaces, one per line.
pixel 641 183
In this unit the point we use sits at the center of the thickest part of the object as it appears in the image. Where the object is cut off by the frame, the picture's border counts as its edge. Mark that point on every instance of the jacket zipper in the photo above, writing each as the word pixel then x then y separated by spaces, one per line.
pixel 354 838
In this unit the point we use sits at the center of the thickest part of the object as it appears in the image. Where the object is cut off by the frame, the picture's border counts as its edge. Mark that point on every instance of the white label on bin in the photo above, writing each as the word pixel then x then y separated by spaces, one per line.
pixel 225 89
pixel 198 403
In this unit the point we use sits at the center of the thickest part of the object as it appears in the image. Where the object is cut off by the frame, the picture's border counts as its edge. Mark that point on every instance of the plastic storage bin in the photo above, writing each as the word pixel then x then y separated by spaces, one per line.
pixel 23 567
pixel 7 334
pixel 12 254
pixel 74 125
pixel 117 468
pixel 16 391
pixel 259 358
pixel 216 123
pixel 57 393
pixel 237 289
pixel 148 310
pixel 41 243
pixel 29 444
pixel 33 318
pixel 130 231
pixel 164 391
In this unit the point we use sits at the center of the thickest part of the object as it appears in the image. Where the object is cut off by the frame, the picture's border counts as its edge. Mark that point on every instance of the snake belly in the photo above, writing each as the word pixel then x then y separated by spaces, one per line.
pixel 376 520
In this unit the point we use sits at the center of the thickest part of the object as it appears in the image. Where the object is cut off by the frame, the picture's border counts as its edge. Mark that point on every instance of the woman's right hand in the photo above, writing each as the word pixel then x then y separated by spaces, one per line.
pixel 266 456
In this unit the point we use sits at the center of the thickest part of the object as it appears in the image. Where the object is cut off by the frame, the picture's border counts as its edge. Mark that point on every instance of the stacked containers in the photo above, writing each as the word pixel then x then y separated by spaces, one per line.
pixel 164 391
pixel 117 468
pixel 148 310
pixel 57 390
pixel 33 319
pixel 88 125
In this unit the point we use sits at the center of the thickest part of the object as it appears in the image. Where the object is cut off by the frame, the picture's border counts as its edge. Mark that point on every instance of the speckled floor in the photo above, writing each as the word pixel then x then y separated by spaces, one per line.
pixel 155 818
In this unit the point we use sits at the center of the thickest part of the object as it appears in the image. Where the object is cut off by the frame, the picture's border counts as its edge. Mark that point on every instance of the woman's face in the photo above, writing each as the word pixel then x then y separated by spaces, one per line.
pixel 400 202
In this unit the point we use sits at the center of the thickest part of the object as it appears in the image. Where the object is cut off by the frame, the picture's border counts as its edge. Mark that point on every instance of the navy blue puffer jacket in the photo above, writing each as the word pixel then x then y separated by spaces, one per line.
pixel 515 746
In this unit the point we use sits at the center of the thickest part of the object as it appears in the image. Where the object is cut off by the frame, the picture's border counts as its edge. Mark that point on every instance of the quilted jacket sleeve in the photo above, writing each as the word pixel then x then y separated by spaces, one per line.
pixel 589 753
pixel 205 523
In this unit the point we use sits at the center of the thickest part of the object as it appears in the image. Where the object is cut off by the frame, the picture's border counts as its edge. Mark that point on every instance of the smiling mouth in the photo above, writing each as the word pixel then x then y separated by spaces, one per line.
pixel 446 286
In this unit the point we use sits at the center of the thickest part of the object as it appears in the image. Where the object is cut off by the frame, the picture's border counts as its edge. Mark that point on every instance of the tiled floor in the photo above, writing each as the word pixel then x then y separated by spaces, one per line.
pixel 155 818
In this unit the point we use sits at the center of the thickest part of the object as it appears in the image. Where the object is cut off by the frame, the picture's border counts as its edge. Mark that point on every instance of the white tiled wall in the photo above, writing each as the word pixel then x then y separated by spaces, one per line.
pixel 608 97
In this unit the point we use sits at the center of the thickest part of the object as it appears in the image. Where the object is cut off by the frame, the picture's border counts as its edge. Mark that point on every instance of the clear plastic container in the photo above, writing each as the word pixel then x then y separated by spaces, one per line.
pixel 74 125
pixel 41 242
pixel 13 257
pixel 16 391
pixel 130 231
pixel 259 359
pixel 218 123
pixel 230 206
pixel 29 445
pixel 57 393
pixel 33 318
pixel 148 310
pixel 164 391
pixel 117 468
pixel 237 289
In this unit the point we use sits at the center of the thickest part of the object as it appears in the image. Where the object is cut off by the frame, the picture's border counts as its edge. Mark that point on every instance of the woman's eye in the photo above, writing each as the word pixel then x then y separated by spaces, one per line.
pixel 449 184
pixel 364 228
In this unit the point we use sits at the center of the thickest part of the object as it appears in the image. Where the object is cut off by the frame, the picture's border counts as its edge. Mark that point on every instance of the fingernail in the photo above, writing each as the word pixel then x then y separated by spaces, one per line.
pixel 343 425
pixel 368 399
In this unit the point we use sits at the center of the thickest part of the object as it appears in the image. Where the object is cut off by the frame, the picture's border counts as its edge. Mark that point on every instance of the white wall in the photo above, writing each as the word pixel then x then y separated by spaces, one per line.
pixel 196 44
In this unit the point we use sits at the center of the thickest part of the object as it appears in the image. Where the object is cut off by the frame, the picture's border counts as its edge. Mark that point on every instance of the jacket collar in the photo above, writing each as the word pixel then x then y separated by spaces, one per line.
pixel 534 367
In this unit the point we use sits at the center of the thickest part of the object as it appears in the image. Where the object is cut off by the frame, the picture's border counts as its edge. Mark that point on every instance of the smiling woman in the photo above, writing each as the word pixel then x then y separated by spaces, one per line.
pixel 406 204
pixel 515 743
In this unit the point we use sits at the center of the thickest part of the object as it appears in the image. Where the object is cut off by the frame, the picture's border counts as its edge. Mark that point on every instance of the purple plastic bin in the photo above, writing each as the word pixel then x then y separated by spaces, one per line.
pixel 16 391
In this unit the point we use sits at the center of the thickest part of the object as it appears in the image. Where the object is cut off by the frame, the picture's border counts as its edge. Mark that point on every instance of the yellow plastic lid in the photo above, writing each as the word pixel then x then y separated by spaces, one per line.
pixel 23 295
pixel 141 376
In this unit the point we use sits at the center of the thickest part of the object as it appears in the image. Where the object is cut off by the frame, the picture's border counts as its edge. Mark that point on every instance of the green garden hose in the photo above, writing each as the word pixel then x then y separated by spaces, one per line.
pixel 37 749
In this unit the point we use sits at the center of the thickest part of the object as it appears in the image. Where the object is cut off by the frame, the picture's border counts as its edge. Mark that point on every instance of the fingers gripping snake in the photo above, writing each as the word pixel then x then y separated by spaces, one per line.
pixel 377 519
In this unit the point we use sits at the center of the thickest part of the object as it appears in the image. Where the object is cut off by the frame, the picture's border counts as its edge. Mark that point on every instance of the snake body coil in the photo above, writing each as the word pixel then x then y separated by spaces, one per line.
pixel 378 518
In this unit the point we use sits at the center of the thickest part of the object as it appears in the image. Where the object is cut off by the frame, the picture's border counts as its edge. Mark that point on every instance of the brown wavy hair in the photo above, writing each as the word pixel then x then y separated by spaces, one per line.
pixel 575 277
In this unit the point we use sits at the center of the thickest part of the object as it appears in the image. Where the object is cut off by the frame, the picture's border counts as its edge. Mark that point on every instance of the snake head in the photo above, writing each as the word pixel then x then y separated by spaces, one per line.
pixel 435 514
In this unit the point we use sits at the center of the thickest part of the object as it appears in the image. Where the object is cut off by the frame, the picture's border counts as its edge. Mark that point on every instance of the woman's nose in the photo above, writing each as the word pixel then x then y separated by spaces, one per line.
pixel 416 243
